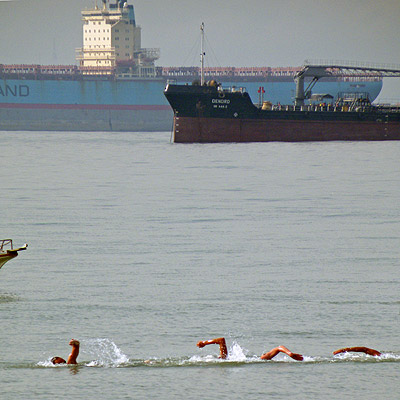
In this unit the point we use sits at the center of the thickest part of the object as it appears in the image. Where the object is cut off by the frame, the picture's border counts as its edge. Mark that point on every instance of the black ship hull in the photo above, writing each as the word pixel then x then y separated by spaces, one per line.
pixel 206 114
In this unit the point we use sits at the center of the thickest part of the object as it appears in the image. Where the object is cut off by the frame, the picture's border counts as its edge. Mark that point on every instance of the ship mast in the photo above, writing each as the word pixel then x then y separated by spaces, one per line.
pixel 202 54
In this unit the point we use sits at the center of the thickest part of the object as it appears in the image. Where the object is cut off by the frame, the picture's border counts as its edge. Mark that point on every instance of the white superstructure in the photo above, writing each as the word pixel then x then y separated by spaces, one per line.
pixel 112 43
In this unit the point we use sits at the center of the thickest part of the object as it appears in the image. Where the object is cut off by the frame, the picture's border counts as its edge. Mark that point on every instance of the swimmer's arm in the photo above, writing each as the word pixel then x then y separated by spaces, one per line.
pixel 223 351
pixel 74 353
pixel 365 350
pixel 281 349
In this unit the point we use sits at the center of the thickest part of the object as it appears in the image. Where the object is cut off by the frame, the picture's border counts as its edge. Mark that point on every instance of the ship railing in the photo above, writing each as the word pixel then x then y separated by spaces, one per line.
pixel 374 78
pixel 148 55
pixel 232 89
pixel 39 69
pixel 353 64
pixel 4 243
pixel 323 108
pixel 231 71
pixel 97 69
pixel 85 53
pixel 101 72
pixel 146 71
pixel 392 108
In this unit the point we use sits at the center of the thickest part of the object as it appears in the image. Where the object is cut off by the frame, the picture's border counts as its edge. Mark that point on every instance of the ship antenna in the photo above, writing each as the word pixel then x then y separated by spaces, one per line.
pixel 202 54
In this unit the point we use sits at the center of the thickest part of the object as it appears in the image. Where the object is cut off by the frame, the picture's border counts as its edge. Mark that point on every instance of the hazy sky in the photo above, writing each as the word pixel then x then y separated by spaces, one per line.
pixel 238 32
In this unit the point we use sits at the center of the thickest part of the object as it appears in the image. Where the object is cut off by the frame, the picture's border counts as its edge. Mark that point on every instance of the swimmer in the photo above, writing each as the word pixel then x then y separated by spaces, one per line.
pixel 266 356
pixel 72 357
pixel 365 350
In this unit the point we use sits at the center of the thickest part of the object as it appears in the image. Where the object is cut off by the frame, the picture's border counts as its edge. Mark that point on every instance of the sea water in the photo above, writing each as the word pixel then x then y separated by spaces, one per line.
pixel 139 248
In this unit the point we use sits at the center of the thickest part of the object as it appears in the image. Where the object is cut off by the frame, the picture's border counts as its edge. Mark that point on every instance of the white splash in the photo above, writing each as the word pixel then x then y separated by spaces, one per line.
pixel 390 356
pixel 309 359
pixel 202 359
pixel 349 356
pixel 48 363
pixel 237 353
pixel 105 353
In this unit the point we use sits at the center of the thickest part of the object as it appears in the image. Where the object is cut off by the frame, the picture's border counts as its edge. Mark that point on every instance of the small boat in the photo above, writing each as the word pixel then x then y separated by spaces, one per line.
pixel 7 252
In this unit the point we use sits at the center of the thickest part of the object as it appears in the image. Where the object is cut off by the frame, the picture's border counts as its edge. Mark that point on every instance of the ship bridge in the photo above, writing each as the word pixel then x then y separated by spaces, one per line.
pixel 318 70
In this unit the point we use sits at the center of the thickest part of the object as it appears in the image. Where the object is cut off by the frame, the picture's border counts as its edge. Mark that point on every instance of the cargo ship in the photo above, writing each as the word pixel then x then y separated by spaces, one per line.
pixel 208 113
pixel 116 85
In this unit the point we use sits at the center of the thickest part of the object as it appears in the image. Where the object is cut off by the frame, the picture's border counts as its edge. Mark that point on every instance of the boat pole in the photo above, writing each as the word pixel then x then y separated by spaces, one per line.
pixel 202 55
pixel 299 99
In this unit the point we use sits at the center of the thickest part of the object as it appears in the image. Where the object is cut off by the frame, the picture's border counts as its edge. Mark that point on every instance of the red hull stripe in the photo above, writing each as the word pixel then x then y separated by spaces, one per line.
pixel 217 130
pixel 86 106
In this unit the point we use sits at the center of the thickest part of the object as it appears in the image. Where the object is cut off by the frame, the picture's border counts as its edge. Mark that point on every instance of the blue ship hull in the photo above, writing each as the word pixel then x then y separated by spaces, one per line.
pixel 123 105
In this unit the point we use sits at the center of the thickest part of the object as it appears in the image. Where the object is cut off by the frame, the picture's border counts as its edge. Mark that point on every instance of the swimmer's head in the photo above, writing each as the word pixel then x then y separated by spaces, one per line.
pixel 58 360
